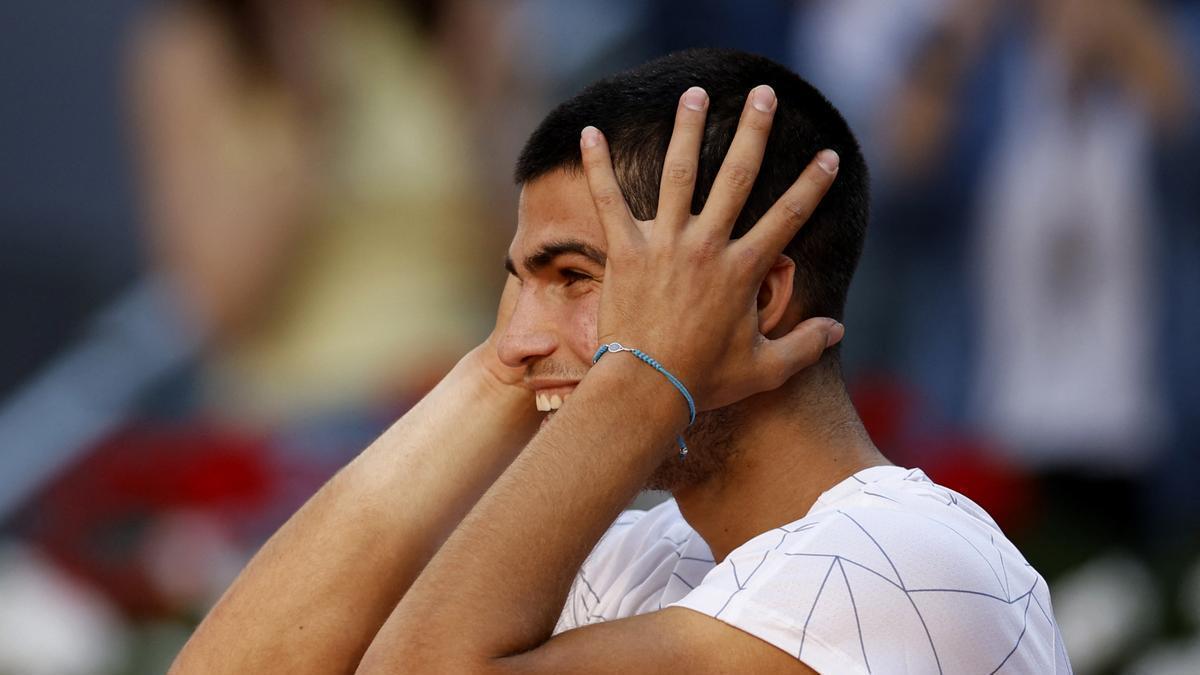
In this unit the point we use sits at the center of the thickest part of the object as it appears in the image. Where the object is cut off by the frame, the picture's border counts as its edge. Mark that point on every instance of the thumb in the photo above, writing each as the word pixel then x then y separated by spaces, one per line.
pixel 802 347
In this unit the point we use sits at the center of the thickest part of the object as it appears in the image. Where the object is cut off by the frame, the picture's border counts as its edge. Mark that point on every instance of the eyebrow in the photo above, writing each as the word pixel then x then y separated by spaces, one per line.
pixel 548 252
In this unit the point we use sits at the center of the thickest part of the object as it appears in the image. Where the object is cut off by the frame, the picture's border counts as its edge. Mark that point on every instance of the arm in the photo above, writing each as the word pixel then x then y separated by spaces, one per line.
pixel 488 600
pixel 315 595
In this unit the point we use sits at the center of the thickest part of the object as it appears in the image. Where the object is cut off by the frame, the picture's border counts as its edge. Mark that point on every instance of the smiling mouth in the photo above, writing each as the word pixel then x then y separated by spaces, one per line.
pixel 550 402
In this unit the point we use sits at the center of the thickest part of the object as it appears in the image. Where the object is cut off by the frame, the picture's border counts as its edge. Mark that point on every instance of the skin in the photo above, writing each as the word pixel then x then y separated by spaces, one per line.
pixel 721 315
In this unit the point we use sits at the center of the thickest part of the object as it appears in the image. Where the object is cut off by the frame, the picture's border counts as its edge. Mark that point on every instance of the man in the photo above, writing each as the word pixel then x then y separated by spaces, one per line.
pixel 458 543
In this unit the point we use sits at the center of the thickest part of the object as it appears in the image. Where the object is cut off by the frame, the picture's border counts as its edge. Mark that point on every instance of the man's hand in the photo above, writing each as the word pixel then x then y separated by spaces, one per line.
pixel 678 288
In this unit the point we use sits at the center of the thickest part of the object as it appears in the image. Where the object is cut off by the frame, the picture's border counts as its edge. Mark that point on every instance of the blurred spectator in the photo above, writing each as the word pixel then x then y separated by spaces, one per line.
pixel 314 229
pixel 310 196
pixel 1070 309
pixel 1014 145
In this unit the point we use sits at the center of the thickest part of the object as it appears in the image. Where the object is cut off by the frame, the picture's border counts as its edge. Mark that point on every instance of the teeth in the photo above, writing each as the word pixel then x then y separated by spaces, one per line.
pixel 549 403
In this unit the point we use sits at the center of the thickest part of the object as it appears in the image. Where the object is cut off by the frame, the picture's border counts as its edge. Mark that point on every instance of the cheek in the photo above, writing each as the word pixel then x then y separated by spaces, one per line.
pixel 582 328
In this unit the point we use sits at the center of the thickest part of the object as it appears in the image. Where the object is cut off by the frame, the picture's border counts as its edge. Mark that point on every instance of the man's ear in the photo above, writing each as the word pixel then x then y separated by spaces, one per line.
pixel 775 294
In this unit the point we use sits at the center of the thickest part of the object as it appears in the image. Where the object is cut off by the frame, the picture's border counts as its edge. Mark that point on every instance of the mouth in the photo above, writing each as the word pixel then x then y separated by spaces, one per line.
pixel 550 400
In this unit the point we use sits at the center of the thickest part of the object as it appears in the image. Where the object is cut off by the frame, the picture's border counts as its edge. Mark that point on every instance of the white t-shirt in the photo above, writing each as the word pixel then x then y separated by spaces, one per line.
pixel 888 573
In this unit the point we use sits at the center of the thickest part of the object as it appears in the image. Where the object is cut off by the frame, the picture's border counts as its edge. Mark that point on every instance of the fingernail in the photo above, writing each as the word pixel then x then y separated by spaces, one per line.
pixel 590 136
pixel 763 98
pixel 835 334
pixel 694 98
pixel 828 160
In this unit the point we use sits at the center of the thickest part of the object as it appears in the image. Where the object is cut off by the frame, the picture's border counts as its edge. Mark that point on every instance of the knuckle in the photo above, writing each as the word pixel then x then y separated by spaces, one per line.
pixel 814 348
pixel 779 376
pixel 704 250
pixel 680 174
pixel 739 176
pixel 607 198
pixel 797 209
pixel 773 373
pixel 812 356
pixel 749 258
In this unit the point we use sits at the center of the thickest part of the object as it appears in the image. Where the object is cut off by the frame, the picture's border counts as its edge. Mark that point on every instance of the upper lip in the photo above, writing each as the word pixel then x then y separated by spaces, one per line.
pixel 538 385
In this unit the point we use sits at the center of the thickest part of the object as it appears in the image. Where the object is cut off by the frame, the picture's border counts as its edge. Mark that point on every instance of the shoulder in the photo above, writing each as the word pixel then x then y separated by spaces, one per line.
pixel 887 573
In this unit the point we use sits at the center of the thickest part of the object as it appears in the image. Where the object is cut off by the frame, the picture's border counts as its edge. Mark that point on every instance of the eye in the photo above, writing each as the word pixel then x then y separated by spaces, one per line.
pixel 573 275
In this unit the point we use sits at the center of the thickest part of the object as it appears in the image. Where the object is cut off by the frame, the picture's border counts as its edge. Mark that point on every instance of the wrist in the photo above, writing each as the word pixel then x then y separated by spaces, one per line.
pixel 647 390
pixel 482 363
pixel 611 347
pixel 477 372
pixel 476 399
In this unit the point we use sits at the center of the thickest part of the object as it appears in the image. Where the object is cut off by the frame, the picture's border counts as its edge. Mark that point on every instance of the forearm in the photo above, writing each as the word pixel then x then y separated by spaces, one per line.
pixel 499 583
pixel 315 595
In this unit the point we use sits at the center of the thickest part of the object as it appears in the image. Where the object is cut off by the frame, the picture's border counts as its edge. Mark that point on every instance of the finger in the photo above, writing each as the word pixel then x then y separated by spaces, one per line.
pixel 740 167
pixel 679 167
pixel 788 214
pixel 610 204
pixel 799 349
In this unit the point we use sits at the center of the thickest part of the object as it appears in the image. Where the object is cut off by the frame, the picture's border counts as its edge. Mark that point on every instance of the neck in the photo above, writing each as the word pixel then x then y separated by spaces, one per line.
pixel 798 441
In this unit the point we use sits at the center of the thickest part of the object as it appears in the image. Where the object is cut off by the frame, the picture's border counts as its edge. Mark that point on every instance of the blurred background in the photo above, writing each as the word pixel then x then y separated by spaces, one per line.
pixel 239 237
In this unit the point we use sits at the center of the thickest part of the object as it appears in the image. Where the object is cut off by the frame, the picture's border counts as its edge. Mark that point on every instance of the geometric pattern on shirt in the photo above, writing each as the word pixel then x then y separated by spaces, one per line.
pixel 896 580
pixel 855 566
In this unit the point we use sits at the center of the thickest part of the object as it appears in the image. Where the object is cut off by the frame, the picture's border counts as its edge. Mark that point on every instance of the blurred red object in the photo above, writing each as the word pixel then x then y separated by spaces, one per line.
pixel 100 516
pixel 971 467
pixel 886 406
pixel 902 425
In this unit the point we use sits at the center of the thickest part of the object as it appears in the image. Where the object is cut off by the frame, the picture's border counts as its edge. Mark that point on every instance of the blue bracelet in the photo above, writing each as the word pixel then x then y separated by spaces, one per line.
pixel 691 404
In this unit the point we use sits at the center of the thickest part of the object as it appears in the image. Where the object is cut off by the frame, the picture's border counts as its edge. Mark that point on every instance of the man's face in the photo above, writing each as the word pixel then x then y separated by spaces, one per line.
pixel 558 254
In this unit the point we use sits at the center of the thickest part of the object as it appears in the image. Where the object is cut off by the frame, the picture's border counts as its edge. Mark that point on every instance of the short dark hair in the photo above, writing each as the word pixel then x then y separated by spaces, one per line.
pixel 636 111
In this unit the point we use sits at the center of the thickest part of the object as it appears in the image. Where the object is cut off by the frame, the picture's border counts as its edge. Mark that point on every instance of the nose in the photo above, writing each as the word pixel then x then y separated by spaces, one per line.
pixel 530 334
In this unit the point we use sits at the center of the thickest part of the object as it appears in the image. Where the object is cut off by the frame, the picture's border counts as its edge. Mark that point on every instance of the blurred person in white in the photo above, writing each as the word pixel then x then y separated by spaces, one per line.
pixel 996 129
pixel 713 218
pixel 1069 368
pixel 309 198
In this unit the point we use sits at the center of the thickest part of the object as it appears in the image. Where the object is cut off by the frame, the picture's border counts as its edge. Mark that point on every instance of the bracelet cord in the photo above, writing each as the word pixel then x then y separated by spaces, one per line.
pixel 649 360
